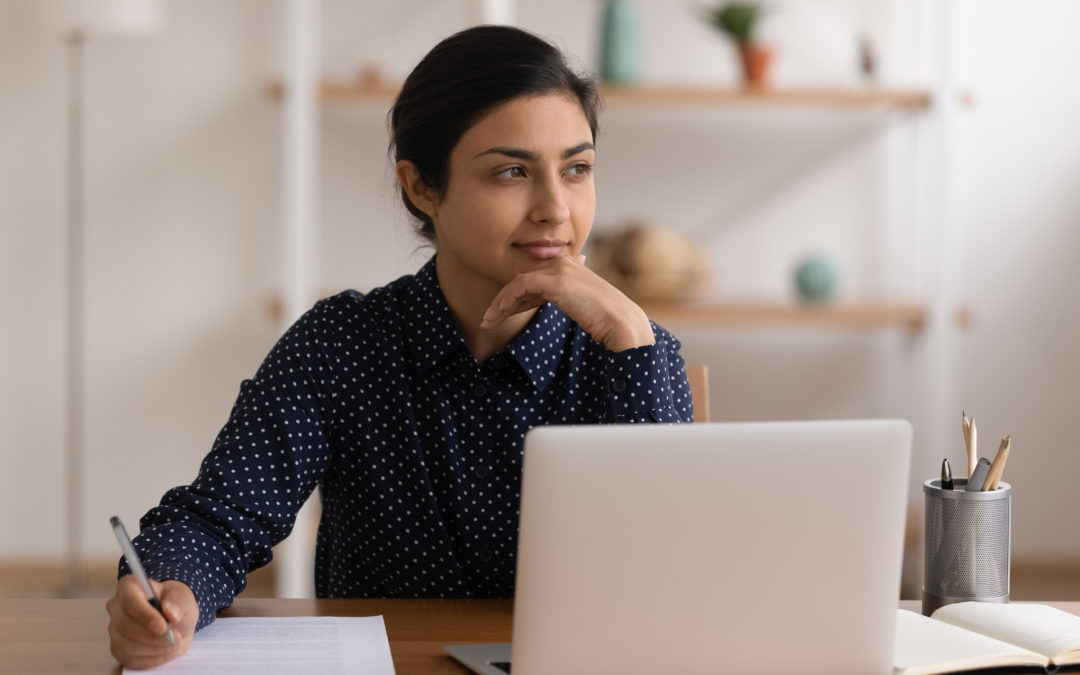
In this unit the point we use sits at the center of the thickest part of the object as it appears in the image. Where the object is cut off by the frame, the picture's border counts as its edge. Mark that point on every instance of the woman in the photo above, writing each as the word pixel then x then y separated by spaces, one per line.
pixel 408 405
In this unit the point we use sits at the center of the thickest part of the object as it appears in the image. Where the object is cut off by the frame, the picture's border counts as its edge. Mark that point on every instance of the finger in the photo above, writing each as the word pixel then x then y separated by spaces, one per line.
pixel 527 291
pixel 136 653
pixel 181 608
pixel 518 301
pixel 581 258
pixel 131 652
pixel 141 657
pixel 134 630
pixel 507 304
pixel 139 619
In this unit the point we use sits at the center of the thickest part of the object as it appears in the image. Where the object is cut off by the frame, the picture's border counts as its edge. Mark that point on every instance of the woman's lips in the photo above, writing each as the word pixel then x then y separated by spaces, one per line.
pixel 543 249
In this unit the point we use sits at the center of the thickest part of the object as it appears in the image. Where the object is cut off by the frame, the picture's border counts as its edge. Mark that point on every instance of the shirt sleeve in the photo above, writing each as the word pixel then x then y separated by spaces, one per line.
pixel 648 384
pixel 264 464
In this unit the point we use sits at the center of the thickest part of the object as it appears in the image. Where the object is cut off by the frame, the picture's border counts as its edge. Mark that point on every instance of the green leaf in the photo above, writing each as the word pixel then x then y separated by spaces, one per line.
pixel 737 19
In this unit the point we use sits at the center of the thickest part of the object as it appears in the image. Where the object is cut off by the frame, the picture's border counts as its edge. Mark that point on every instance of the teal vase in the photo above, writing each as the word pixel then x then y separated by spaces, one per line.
pixel 619 44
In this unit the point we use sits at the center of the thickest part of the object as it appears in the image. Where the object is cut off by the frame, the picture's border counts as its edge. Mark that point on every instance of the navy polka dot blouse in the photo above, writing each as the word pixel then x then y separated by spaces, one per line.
pixel 416 447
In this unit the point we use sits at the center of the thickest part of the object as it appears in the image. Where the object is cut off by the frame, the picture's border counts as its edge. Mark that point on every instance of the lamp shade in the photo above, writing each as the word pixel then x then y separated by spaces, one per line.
pixel 491 12
pixel 91 18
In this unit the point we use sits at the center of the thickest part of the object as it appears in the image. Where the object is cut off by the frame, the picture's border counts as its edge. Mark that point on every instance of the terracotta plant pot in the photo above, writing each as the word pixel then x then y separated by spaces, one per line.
pixel 755 61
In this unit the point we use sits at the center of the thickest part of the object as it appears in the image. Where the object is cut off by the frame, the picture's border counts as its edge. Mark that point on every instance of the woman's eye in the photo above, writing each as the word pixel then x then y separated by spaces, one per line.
pixel 579 170
pixel 512 172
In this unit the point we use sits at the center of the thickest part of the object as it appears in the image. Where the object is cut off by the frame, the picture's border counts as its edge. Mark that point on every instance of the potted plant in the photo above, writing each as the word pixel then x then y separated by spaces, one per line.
pixel 739 21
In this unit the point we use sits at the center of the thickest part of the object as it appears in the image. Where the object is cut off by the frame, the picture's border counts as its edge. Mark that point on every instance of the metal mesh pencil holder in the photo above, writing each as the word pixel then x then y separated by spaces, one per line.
pixel 967 544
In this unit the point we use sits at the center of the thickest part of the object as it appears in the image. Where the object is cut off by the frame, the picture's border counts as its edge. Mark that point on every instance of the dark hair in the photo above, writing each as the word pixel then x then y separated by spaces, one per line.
pixel 459 81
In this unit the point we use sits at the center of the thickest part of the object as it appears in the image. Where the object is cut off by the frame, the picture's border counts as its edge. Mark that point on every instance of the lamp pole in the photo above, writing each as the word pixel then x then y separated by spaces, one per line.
pixel 74 314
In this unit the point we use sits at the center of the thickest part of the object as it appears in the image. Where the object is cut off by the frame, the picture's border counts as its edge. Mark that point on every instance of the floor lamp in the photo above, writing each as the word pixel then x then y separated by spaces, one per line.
pixel 75 22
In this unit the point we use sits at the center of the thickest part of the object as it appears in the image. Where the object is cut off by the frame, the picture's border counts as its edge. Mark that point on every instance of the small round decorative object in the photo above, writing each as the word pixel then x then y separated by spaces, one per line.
pixel 815 279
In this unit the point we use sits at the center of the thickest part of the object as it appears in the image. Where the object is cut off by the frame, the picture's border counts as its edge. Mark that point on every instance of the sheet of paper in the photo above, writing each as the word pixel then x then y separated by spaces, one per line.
pixel 319 645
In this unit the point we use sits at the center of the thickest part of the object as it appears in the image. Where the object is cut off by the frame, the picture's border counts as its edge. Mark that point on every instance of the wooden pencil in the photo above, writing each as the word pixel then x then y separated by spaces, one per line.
pixel 993 478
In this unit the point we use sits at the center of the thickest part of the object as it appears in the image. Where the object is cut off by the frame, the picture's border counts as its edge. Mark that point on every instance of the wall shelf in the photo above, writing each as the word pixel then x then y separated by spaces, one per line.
pixel 911 317
pixel 901 99
pixel 837 98
pixel 861 316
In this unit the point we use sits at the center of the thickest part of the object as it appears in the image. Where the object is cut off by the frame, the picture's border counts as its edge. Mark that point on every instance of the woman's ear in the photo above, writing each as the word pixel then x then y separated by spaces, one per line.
pixel 417 190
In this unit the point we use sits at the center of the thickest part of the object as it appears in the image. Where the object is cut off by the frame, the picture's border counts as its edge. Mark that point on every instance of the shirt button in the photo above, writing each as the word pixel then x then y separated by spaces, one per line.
pixel 480 472
pixel 486 555
pixel 480 390
pixel 618 385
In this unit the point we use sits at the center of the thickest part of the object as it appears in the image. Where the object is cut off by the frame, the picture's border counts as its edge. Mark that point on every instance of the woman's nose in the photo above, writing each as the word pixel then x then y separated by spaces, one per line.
pixel 549 203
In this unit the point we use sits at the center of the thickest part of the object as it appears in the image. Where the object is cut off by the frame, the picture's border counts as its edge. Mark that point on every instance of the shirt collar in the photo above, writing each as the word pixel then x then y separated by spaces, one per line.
pixel 539 348
pixel 431 332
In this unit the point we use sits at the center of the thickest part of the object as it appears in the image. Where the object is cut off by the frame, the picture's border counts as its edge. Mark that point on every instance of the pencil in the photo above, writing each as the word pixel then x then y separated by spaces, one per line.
pixel 968 424
pixel 998 467
pixel 973 454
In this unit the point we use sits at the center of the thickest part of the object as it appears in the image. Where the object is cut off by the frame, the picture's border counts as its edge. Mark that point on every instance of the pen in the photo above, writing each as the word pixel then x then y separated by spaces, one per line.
pixel 946 475
pixel 140 574
pixel 975 482
pixel 998 466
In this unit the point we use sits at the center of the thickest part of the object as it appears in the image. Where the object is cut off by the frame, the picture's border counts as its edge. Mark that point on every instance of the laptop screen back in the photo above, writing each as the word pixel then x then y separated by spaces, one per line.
pixel 756 547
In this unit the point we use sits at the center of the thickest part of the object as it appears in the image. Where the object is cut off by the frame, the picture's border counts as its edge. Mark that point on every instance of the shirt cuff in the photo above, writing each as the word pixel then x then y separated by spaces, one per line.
pixel 639 386
pixel 186 571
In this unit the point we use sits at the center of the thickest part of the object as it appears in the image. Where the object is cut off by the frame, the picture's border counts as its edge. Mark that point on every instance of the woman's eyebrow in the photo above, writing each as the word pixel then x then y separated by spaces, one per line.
pixel 529 155
pixel 579 148
pixel 516 153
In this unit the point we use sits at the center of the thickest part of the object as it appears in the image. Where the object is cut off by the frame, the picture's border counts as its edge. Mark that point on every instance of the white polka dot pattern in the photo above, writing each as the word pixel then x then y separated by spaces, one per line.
pixel 416 447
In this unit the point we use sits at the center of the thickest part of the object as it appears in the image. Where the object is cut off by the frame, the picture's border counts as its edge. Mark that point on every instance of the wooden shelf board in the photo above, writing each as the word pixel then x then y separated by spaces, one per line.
pixel 851 316
pixel 345 92
pixel 833 97
pixel 866 315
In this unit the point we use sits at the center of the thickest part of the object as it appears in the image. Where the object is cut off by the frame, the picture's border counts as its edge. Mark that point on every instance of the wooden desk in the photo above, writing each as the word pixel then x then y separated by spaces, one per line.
pixel 69 636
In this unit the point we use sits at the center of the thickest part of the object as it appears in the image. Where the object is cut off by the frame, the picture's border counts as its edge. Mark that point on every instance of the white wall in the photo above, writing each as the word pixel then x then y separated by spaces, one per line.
pixel 181 219
pixel 1017 216
pixel 182 215
pixel 31 342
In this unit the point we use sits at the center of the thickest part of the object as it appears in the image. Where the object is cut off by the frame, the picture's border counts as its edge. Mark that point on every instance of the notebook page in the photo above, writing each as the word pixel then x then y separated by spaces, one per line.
pixel 1040 628
pixel 315 645
pixel 925 645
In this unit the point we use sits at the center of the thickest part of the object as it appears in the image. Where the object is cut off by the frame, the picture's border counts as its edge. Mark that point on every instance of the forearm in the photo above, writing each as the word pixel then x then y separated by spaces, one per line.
pixel 264 464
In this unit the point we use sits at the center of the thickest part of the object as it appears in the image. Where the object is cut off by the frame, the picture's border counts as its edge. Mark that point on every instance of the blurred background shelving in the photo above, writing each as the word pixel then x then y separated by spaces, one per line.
pixel 865 316
pixel 854 316
pixel 719 314
pixel 906 99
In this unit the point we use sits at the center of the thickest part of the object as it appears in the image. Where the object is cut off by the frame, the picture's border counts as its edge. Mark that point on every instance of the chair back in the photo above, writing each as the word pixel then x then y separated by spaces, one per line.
pixel 698 376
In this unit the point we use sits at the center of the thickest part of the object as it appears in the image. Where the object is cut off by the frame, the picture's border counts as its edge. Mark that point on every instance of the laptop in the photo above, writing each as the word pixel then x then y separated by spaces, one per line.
pixel 707 548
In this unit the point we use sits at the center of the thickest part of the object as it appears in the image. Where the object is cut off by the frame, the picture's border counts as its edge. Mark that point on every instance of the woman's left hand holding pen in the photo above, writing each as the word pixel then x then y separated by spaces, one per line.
pixel 137 630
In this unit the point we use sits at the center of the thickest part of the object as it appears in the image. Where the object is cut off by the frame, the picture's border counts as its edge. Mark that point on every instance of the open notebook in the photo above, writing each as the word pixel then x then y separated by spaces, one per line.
pixel 977 635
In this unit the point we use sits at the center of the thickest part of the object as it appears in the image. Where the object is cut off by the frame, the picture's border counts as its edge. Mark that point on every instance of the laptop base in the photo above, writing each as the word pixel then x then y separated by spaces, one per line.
pixel 483 659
